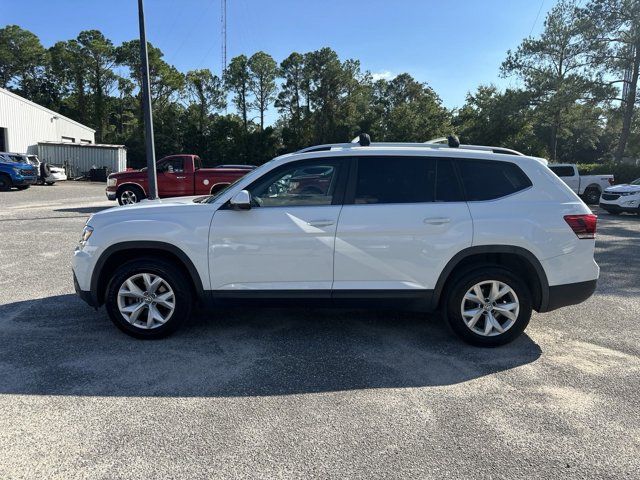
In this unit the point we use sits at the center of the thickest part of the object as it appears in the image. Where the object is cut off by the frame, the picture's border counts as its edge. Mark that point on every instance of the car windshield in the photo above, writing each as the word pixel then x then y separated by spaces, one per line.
pixel 636 182
pixel 214 197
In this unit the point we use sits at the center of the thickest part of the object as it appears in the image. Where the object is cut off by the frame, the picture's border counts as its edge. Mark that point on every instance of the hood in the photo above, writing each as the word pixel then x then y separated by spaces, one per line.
pixel 128 174
pixel 150 207
pixel 623 188
pixel 26 166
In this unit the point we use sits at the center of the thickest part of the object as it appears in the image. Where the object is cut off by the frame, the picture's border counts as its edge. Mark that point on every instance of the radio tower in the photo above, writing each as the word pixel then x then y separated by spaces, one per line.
pixel 223 34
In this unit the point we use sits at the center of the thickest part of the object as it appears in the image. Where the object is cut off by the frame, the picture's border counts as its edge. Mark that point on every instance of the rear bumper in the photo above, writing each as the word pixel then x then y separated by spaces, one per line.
pixel 569 294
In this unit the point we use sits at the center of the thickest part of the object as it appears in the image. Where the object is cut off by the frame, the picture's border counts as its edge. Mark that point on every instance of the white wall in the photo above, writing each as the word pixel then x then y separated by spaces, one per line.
pixel 28 123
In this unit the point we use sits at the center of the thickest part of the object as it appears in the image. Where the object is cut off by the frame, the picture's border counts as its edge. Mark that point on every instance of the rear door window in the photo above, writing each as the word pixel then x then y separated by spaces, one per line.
pixel 563 171
pixel 395 180
pixel 489 179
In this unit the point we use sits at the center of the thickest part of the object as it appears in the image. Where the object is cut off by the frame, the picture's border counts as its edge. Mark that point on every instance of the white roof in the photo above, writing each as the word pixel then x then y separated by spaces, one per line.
pixel 8 93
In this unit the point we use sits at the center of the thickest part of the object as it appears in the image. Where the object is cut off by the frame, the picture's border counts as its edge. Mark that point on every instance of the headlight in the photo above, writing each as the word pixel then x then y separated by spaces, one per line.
pixel 86 233
pixel 626 194
pixel 112 182
pixel 16 171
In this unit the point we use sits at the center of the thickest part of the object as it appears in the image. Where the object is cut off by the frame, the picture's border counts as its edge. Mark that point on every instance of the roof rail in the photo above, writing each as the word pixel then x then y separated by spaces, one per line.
pixel 330 146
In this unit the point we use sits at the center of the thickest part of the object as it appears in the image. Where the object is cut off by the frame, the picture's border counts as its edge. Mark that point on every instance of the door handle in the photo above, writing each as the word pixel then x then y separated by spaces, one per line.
pixel 437 220
pixel 320 223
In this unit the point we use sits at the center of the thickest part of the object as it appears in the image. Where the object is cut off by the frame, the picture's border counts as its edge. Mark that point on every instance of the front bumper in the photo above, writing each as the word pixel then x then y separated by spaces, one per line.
pixel 111 194
pixel 19 180
pixel 569 294
pixel 620 206
pixel 85 295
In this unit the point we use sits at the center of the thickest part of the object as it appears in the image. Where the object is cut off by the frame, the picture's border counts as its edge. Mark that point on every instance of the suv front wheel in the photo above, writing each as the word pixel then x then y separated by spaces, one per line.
pixel 148 298
pixel 488 307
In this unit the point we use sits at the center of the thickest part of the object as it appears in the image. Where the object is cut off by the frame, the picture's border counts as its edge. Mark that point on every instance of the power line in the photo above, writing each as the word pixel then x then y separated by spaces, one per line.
pixel 537 16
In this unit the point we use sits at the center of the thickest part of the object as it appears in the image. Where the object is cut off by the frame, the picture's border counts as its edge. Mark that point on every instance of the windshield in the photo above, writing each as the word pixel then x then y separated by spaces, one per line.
pixel 636 182
pixel 214 197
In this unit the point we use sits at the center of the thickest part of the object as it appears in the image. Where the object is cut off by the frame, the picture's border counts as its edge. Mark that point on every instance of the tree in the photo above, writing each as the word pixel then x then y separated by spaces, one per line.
pixel 206 96
pixel 293 101
pixel 612 32
pixel 238 79
pixel 22 58
pixel 263 70
pixel 410 111
pixel 555 69
pixel 98 55
pixel 166 82
pixel 71 73
pixel 506 119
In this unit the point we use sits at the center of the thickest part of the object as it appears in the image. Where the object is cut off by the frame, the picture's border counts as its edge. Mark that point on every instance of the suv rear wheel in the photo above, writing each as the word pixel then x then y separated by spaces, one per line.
pixel 148 298
pixel 488 307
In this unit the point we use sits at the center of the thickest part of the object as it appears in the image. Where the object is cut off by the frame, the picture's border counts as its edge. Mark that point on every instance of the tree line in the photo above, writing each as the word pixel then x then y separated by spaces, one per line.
pixel 577 101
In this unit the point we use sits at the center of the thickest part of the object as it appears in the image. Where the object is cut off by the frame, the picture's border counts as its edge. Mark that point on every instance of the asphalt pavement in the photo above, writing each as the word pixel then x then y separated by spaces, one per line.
pixel 304 393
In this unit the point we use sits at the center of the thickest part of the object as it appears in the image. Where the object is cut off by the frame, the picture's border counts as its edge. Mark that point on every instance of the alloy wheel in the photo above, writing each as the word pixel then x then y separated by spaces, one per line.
pixel 128 197
pixel 490 308
pixel 146 300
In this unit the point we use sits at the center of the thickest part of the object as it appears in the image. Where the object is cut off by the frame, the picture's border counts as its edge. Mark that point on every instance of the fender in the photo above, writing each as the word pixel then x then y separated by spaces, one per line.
pixel 132 183
pixel 483 249
pixel 139 245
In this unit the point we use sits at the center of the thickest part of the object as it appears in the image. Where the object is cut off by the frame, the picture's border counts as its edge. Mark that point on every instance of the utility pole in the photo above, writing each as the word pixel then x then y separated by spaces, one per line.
pixel 152 193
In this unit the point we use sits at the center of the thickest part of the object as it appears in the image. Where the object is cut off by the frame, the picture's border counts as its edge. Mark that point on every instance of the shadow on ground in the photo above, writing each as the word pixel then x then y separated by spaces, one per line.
pixel 59 346
pixel 83 209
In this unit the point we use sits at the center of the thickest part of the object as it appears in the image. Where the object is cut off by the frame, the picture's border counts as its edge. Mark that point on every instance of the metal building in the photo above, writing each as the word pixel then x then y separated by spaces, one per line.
pixel 23 124
pixel 78 159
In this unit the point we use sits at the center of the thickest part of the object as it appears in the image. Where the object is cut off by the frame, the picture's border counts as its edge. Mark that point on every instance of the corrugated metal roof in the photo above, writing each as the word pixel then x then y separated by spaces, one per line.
pixel 44 109
pixel 99 145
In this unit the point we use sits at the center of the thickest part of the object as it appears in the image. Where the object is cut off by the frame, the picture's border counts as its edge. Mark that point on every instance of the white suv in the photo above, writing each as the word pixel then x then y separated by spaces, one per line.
pixel 483 237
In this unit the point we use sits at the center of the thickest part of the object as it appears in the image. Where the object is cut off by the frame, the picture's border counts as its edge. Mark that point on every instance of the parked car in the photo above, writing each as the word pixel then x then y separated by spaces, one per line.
pixel 47 174
pixel 178 175
pixel 622 198
pixel 483 237
pixel 15 171
pixel 589 187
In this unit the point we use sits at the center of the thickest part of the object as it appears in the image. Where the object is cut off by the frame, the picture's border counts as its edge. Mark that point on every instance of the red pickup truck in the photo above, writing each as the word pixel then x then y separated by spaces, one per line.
pixel 178 176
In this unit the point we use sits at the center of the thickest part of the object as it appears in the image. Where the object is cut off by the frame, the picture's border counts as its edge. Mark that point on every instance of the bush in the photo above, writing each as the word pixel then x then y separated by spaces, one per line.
pixel 623 173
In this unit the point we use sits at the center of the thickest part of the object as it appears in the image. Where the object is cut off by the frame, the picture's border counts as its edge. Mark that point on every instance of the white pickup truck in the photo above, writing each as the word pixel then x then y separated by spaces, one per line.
pixel 589 187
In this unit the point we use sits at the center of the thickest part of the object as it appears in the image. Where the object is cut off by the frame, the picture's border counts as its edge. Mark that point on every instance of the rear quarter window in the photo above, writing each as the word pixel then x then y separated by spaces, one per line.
pixel 562 171
pixel 489 179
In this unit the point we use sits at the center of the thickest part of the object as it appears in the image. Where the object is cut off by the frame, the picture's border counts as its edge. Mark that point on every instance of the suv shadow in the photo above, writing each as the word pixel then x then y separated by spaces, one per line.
pixel 57 346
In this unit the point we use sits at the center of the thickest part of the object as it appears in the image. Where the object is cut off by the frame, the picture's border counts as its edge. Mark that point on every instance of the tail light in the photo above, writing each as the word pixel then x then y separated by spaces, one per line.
pixel 584 226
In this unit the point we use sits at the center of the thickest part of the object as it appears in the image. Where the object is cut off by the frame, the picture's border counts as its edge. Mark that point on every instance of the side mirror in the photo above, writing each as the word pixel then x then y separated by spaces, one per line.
pixel 241 200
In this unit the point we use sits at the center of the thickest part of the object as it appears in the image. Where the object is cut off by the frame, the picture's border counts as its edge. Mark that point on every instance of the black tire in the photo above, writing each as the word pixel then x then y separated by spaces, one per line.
pixel 22 187
pixel 129 192
pixel 5 182
pixel 171 274
pixel 591 195
pixel 454 302
pixel 49 183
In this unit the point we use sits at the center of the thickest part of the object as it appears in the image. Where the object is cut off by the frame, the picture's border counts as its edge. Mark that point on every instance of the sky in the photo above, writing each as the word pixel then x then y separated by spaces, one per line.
pixel 454 45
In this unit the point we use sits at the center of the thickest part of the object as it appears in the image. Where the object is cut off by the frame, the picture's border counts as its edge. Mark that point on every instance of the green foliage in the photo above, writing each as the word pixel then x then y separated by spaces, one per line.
pixel 567 110
pixel 622 172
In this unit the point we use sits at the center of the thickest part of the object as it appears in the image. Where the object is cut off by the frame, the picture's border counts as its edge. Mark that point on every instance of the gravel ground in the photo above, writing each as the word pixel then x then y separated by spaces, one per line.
pixel 301 393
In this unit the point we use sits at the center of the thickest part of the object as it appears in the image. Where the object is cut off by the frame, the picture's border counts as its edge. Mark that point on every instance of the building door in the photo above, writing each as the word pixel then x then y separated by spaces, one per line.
pixel 3 140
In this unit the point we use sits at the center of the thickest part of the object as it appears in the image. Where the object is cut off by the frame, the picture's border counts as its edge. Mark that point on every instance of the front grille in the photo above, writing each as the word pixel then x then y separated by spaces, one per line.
pixel 31 172
pixel 610 196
